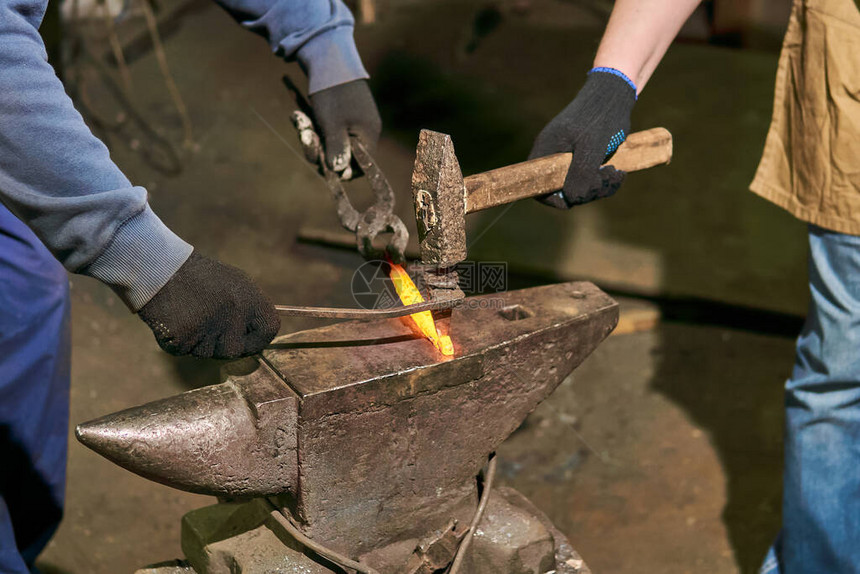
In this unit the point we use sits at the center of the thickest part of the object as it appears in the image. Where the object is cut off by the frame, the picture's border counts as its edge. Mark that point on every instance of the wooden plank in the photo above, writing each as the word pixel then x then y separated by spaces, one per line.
pixel 636 316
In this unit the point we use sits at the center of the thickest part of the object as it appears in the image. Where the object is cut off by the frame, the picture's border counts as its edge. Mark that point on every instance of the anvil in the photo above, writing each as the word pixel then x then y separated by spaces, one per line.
pixel 364 431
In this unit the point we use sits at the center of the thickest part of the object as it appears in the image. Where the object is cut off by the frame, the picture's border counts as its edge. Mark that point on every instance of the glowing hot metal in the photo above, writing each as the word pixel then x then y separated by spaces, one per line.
pixel 410 294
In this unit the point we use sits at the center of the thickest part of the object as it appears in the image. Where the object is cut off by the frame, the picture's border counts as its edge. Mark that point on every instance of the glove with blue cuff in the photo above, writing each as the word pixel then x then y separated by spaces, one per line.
pixel 592 126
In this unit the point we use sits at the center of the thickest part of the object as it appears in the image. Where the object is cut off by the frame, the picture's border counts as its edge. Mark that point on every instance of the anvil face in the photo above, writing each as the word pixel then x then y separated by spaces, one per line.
pixel 366 428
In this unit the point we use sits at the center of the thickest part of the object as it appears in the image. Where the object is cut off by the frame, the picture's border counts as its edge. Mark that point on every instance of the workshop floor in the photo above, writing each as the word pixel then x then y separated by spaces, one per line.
pixel 662 452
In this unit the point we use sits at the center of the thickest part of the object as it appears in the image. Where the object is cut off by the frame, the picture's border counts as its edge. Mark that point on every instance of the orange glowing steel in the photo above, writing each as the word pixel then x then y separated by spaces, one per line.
pixel 410 294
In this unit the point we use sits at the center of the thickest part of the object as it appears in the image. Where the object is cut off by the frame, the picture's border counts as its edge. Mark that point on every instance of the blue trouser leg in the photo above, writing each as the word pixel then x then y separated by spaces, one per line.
pixel 821 500
pixel 34 394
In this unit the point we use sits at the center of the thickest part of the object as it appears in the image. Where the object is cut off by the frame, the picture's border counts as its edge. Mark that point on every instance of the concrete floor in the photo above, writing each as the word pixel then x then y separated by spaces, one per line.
pixel 661 452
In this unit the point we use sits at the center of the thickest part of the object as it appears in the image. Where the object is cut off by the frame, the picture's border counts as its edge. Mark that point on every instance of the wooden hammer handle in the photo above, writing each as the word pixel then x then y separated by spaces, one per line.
pixel 546 174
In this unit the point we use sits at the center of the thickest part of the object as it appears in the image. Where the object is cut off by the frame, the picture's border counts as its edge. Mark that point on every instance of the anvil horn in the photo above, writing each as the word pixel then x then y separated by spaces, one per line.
pixel 234 439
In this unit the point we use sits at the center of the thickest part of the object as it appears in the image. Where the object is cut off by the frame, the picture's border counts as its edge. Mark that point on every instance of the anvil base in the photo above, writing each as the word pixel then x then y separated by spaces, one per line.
pixel 513 537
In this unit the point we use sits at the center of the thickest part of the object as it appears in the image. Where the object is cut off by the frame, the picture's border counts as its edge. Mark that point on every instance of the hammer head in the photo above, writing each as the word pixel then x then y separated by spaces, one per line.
pixel 440 201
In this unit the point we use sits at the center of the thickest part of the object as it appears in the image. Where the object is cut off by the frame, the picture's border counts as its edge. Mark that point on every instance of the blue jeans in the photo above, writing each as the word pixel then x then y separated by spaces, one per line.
pixel 821 498
pixel 34 394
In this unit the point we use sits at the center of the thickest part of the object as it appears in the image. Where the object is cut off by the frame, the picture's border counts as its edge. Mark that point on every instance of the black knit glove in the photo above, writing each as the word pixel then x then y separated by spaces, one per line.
pixel 342 111
pixel 592 126
pixel 211 310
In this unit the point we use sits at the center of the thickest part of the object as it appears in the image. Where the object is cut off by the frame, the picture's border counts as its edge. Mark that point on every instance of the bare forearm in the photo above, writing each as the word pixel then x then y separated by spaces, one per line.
pixel 639 33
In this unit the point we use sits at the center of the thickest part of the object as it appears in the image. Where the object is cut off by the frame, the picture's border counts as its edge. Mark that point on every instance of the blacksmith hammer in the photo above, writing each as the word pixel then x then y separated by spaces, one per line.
pixel 443 197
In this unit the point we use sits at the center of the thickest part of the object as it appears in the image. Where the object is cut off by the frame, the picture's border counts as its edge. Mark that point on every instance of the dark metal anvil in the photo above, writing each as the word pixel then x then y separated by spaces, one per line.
pixel 367 435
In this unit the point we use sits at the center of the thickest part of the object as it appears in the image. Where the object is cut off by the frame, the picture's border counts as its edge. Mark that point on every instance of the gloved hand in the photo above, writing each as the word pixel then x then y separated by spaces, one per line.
pixel 211 310
pixel 342 111
pixel 592 126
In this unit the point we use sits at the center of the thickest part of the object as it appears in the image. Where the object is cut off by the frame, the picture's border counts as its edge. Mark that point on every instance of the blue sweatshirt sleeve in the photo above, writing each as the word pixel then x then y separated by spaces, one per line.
pixel 58 178
pixel 317 33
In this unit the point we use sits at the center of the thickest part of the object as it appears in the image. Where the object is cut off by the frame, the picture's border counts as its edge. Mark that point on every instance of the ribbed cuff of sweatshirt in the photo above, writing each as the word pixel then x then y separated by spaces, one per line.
pixel 330 59
pixel 142 256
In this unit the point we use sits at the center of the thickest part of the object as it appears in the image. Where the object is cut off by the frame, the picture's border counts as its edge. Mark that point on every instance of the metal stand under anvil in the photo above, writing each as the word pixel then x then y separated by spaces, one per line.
pixel 360 437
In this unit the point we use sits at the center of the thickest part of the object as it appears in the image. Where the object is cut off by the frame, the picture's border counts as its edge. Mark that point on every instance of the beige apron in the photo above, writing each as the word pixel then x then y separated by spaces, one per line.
pixel 811 161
